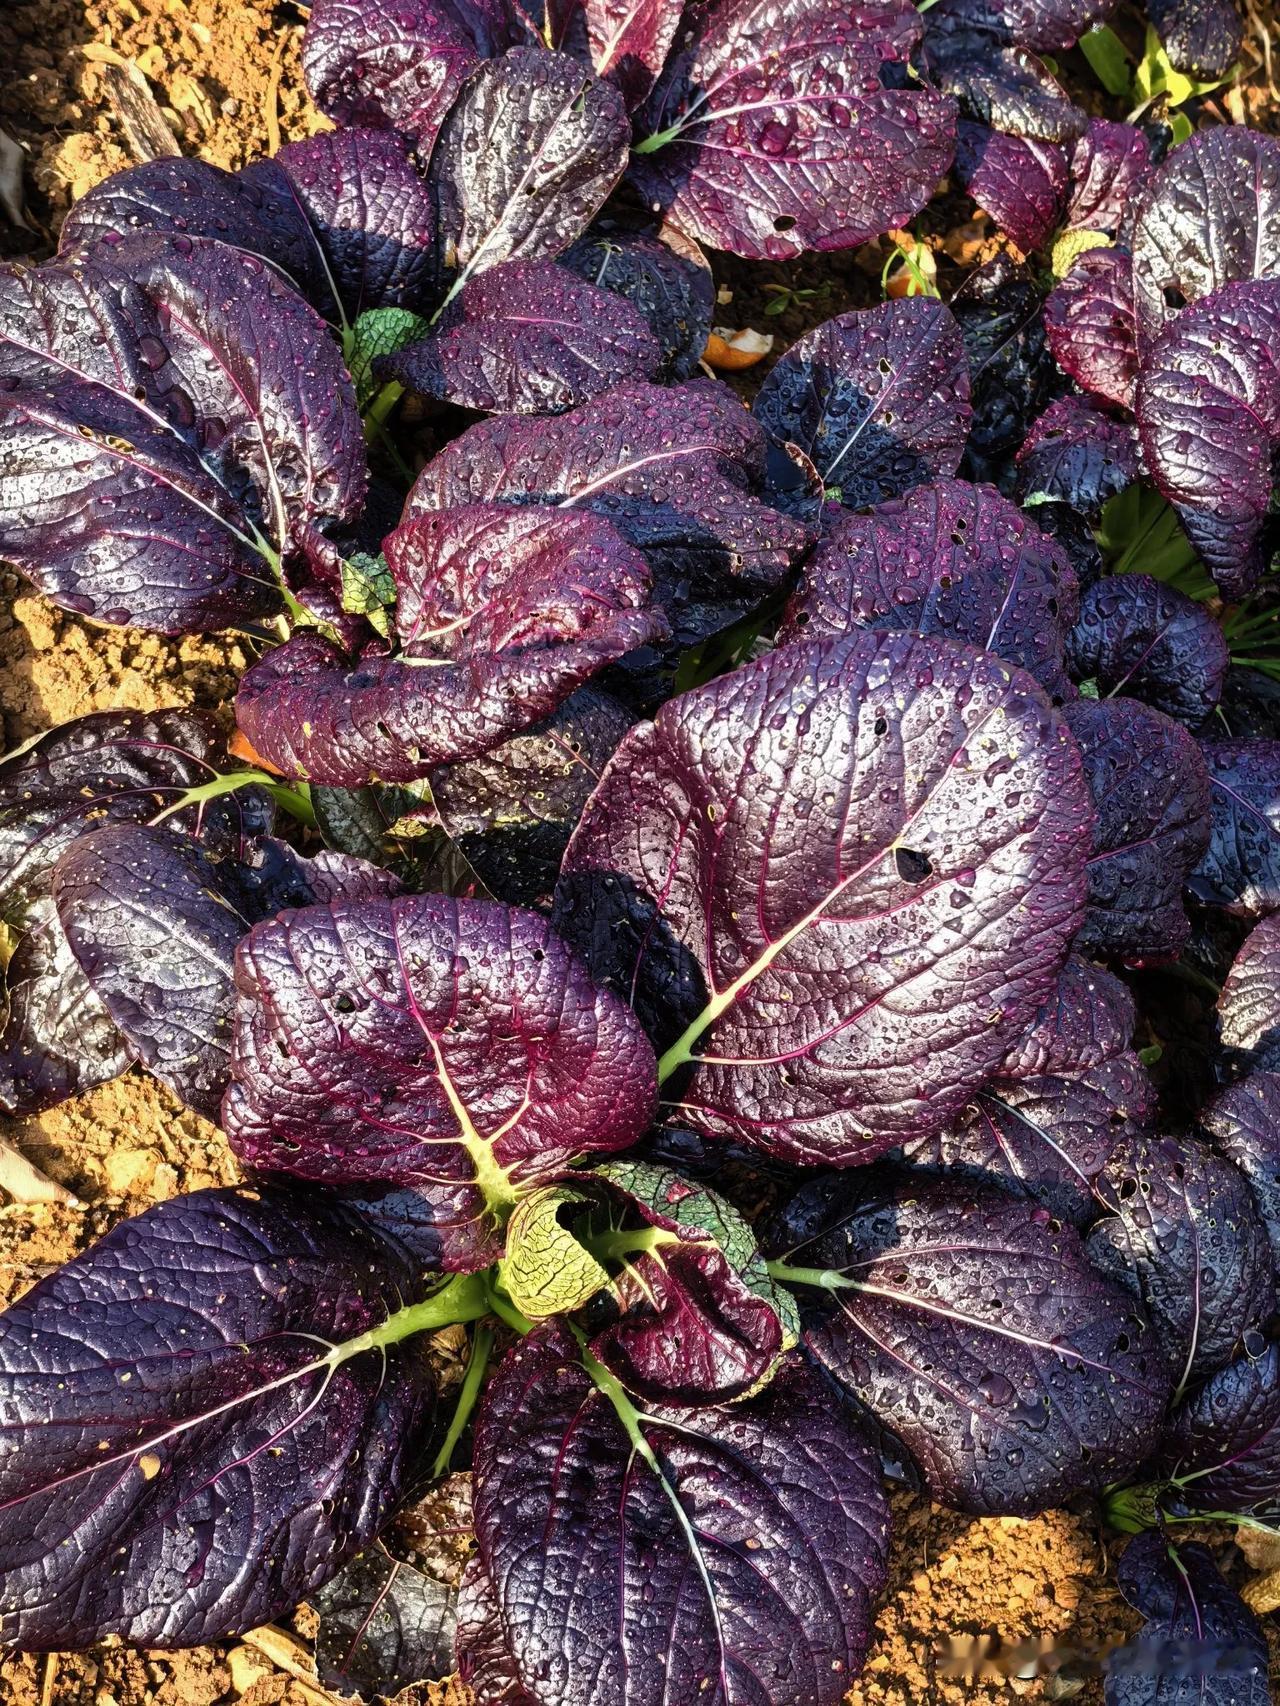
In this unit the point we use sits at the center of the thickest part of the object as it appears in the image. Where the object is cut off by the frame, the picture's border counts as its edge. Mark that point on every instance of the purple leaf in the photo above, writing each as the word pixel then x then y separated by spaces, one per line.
pixel 1077 453
pixel 528 338
pixel 1243 1122
pixel 1090 323
pixel 401 67
pixel 1042 25
pixel 485 1663
pixel 1202 38
pixel 1209 216
pixel 1021 184
pixel 732 1552
pixel 512 811
pixel 662 273
pixel 1108 163
pixel 973 1327
pixel 1044 1126
pixel 1223 1445
pixel 564 139
pixel 1137 636
pixel 1185 1237
pixel 1249 1006
pixel 629 40
pixel 1208 407
pixel 453 1046
pixel 949 559
pixel 1200 1645
pixel 502 613
pixel 383 1625
pixel 194 1459
pixel 1151 796
pixel 1240 870
pixel 1012 376
pixel 784 869
pixel 1001 86
pixel 877 399
pixel 774 128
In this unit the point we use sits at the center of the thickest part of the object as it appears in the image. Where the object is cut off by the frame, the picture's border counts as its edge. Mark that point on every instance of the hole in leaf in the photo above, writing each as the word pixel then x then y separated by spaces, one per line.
pixel 913 867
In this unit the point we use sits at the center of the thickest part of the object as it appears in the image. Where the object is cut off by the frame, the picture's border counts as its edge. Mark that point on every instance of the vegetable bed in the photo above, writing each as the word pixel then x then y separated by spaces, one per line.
pixel 641 964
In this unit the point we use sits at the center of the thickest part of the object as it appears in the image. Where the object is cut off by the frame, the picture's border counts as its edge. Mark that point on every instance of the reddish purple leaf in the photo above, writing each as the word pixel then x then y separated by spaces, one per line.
pixel 878 399
pixel 1090 324
pixel 773 129
pixel 1108 163
pixel 629 40
pixel 453 1046
pixel 784 918
pixel 528 338
pixel 1249 1006
pixel 1021 184
pixel 1139 637
pixel 949 559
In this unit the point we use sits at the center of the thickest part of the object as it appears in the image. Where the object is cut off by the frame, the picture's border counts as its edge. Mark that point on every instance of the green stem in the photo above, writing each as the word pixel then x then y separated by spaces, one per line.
pixel 825 1279
pixel 501 1306
pixel 297 804
pixel 612 1388
pixel 463 1298
pixel 468 1394
pixel 620 1245
pixel 659 139
pixel 380 410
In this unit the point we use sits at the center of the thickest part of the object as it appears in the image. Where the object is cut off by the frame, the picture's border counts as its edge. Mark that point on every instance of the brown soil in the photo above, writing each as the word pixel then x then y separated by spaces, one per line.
pixel 970 1603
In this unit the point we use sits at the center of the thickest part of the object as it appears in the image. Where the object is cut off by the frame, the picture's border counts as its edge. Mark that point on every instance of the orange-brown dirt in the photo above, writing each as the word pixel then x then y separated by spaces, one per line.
pixel 969 1602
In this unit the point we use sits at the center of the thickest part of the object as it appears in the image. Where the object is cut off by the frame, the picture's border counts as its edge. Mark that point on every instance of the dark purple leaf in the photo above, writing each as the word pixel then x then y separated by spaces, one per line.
pixel 1202 38
pixel 775 129
pixel 1012 376
pixel 1240 870
pixel 1108 163
pixel 1243 1123
pixel 383 1625
pixel 1000 85
pixel 949 559
pixel 196 1458
pixel 502 613
pixel 1208 407
pixel 1140 637
pixel 528 338
pixel 729 1554
pixel 1089 322
pixel 172 432
pixel 1223 1445
pixel 453 1046
pixel 877 399
pixel 1209 216
pixel 662 273
pixel 398 68
pixel 973 1327
pixel 1249 1006
pixel 1250 708
pixel 58 1039
pixel 1070 531
pixel 700 1320
pixel 1021 184
pixel 1045 1124
pixel 1186 1237
pixel 1077 453
pixel 485 1663
pixel 525 161
pixel 512 811
pixel 1200 1645
pixel 1042 25
pixel 784 869
pixel 1150 792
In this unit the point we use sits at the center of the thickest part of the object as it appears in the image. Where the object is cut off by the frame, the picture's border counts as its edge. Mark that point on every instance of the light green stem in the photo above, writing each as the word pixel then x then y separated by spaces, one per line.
pixel 297 804
pixel 463 1298
pixel 468 1394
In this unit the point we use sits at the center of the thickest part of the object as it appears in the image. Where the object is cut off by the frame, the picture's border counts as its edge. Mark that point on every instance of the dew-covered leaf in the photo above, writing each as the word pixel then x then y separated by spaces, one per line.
pixel 1012 376
pixel 1243 1122
pixel 1077 453
pixel 1108 163
pixel 1240 869
pixel 1249 1006
pixel 453 1046
pixel 383 1625
pixel 788 865
pixel 1001 85
pixel 877 399
pixel 1041 25
pixel 949 559
pixel 1021 184
pixel 1223 1444
pixel 662 273
pixel 194 1459
pixel 502 612
pixel 972 1325
pixel 1200 1644
pixel 1089 322
pixel 1209 216
pixel 1150 792
pixel 529 338
pixel 1202 38
pixel 524 162
pixel 785 125
pixel 1140 637
pixel 734 1550
pixel 1046 1122
pixel 1186 1238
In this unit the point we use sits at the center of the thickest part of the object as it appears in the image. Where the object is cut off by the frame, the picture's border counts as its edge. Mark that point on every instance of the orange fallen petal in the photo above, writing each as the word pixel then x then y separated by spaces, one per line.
pixel 240 747
pixel 732 351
